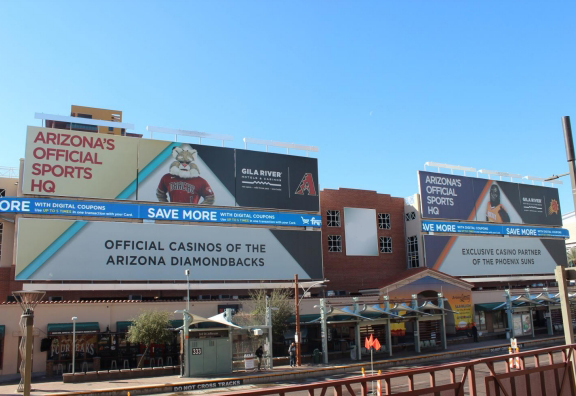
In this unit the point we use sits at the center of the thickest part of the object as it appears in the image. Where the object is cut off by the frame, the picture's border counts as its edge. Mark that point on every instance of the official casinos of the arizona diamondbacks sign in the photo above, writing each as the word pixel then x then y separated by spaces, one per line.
pixel 86 250
pixel 455 197
pixel 90 165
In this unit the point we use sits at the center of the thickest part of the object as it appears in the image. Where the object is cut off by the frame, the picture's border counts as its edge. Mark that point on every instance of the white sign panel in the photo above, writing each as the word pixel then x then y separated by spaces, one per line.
pixel 361 232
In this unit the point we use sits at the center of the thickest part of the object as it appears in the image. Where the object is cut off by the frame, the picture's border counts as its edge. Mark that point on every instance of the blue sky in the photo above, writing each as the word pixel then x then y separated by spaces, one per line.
pixel 379 86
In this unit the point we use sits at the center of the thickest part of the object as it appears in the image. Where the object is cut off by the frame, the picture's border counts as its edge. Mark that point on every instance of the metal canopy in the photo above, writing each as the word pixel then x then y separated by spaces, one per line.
pixel 524 299
pixel 347 311
pixel 546 297
pixel 404 307
pixel 376 308
pixel 195 319
pixel 221 318
pixel 343 313
pixel 429 305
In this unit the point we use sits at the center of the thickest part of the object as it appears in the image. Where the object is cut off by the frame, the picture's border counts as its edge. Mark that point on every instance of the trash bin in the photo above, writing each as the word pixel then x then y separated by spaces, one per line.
pixel 317 356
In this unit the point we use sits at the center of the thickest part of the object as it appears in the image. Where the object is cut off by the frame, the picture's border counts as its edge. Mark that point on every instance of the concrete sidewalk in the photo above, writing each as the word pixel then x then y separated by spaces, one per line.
pixel 169 384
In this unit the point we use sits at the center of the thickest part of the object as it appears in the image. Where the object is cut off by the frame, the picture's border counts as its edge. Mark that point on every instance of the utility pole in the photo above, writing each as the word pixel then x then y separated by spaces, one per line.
pixel 324 330
pixel 570 153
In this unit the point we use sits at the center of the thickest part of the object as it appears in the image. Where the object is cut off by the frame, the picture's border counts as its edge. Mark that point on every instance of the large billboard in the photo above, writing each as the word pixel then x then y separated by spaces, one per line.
pixel 473 256
pixel 454 197
pixel 119 251
pixel 88 165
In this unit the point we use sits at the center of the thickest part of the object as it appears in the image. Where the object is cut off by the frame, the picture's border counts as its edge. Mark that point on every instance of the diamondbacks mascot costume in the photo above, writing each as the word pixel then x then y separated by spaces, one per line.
pixel 183 183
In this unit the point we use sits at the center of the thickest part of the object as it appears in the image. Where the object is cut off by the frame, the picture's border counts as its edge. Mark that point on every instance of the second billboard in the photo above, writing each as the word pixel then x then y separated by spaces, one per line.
pixel 455 197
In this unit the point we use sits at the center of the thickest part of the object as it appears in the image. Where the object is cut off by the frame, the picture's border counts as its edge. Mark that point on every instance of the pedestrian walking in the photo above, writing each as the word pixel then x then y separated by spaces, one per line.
pixel 475 332
pixel 292 353
pixel 259 353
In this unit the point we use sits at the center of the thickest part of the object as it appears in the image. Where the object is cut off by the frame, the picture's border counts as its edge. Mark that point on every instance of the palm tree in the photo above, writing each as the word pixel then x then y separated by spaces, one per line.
pixel 571 256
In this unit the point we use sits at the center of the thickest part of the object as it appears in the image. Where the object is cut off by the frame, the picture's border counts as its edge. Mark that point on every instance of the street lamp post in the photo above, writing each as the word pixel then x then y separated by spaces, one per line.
pixel 187 272
pixel 74 319
pixel 297 301
pixel 297 334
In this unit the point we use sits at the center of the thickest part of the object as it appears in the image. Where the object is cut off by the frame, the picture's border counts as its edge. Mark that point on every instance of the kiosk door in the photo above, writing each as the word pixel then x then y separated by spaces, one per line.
pixel 210 356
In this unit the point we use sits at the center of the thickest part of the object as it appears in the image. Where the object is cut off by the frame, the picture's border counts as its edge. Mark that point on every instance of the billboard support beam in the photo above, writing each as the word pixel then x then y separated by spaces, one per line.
pixel 287 146
pixel 183 132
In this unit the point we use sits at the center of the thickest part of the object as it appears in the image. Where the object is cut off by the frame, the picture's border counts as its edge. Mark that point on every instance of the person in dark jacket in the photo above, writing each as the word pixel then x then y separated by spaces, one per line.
pixel 259 353
pixel 292 353
pixel 475 332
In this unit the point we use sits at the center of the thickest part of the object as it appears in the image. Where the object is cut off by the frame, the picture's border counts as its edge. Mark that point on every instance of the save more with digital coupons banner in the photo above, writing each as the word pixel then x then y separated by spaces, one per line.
pixel 89 165
pixel 86 250
pixel 471 256
pixel 455 197
pixel 122 210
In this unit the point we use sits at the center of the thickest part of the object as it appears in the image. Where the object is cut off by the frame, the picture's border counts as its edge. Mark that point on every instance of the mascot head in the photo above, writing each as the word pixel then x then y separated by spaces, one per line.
pixel 183 165
pixel 494 195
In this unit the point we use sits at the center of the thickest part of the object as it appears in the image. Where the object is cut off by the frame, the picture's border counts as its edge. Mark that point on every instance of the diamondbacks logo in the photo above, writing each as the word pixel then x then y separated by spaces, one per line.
pixel 553 208
pixel 307 184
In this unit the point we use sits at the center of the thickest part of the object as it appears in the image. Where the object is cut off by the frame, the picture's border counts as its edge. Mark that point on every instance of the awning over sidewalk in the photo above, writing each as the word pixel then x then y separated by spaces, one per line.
pixel 66 328
pixel 493 306
pixel 174 324
pixel 122 327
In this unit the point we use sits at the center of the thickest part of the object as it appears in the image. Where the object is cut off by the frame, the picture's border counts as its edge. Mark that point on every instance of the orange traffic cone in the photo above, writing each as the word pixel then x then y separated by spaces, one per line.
pixel 510 360
pixel 379 385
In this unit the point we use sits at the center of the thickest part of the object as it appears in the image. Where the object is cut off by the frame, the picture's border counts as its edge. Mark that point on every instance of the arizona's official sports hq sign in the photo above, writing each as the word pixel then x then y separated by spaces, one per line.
pixel 80 250
pixel 473 256
pixel 454 197
pixel 77 164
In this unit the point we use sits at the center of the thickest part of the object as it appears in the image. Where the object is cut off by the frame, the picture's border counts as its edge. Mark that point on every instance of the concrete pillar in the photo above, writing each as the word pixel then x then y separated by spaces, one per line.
pixel 269 328
pixel 548 315
pixel 324 327
pixel 389 337
pixel 527 295
pixel 388 329
pixel 417 335
pixel 510 332
pixel 416 324
pixel 186 332
pixel 358 341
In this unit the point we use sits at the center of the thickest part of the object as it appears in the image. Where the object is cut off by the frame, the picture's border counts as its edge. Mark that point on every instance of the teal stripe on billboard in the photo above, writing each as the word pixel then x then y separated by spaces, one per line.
pixel 50 250
pixel 131 189
pixel 167 152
